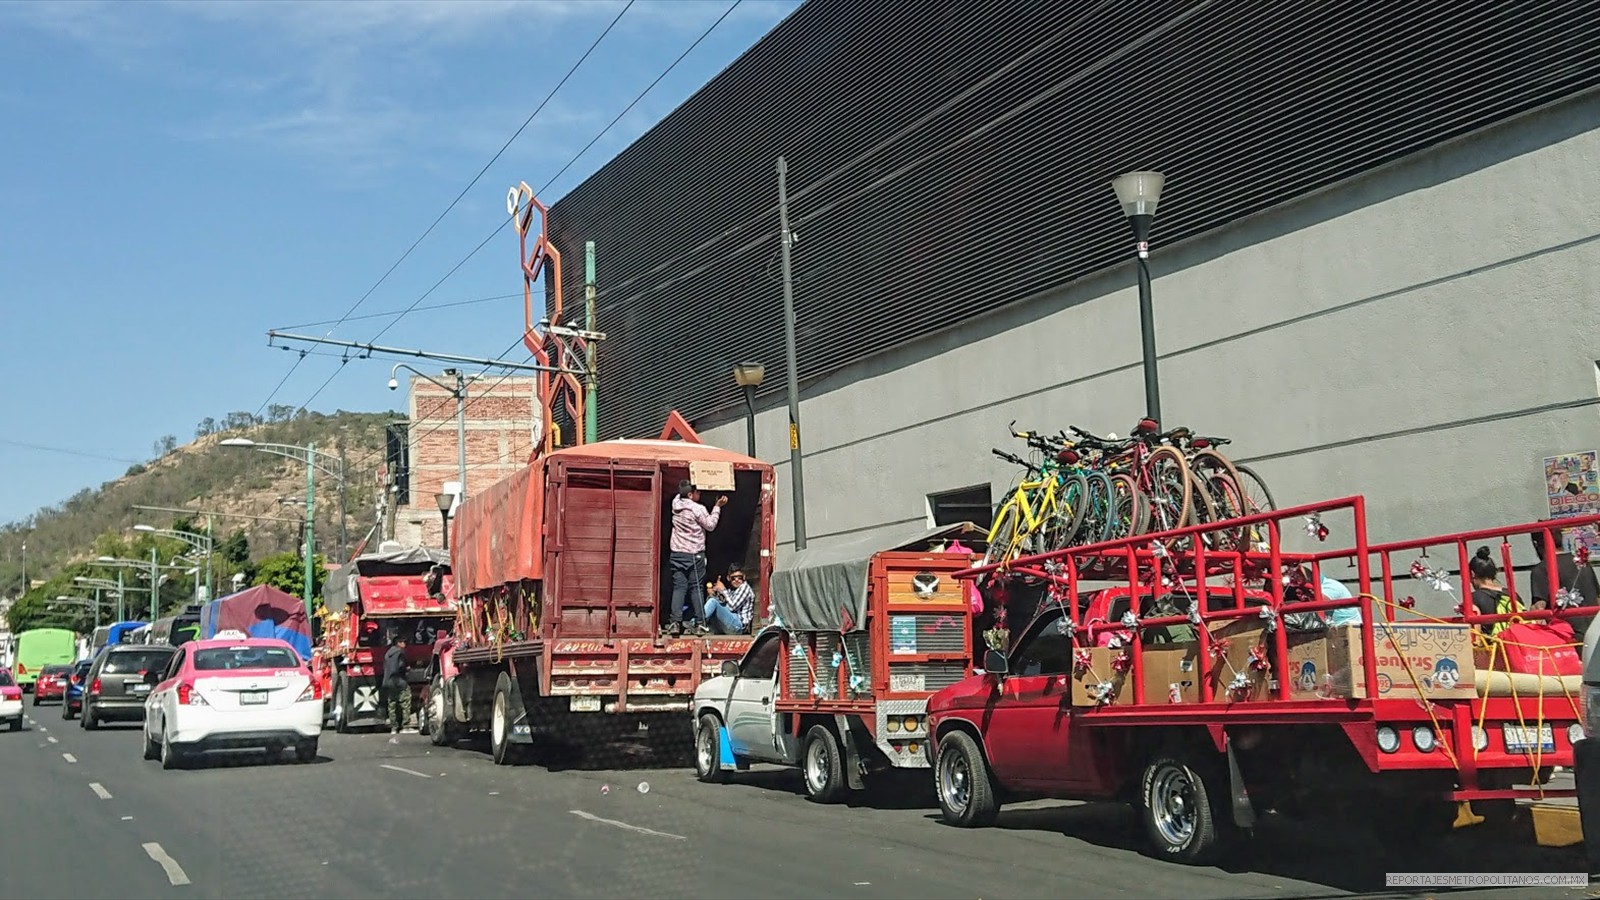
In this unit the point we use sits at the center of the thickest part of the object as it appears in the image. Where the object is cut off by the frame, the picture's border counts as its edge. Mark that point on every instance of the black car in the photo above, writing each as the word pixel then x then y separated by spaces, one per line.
pixel 117 687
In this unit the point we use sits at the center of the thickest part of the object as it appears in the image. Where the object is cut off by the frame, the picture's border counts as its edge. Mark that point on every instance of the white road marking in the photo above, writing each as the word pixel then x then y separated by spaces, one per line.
pixel 405 770
pixel 174 871
pixel 43 729
pixel 52 739
pixel 69 757
pixel 594 818
pixel 99 790
pixel 127 818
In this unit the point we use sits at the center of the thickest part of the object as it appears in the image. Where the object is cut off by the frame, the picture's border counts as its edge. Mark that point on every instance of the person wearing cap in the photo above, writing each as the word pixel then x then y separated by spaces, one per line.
pixel 687 563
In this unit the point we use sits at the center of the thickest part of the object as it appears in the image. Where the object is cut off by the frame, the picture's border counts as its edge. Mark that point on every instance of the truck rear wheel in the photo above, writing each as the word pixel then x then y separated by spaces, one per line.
pixel 966 789
pixel 341 704
pixel 441 712
pixel 505 753
pixel 1183 810
pixel 708 750
pixel 822 767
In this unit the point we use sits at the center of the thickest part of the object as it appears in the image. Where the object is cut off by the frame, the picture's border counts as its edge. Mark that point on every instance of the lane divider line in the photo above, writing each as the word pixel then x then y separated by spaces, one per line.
pixel 405 770
pixel 642 830
pixel 69 757
pixel 175 873
pixel 99 790
pixel 52 739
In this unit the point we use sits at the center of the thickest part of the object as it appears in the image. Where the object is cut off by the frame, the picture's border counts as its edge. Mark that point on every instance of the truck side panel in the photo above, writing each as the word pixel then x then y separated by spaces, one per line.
pixel 601 551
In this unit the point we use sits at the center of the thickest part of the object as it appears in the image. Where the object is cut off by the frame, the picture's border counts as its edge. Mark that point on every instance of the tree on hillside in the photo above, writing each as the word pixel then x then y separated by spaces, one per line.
pixel 286 572
pixel 166 444
pixel 279 412
pixel 239 419
pixel 235 548
pixel 207 426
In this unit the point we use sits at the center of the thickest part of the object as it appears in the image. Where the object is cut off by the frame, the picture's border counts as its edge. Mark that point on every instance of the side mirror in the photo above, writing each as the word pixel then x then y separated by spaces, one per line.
pixel 730 668
pixel 995 662
pixel 152 678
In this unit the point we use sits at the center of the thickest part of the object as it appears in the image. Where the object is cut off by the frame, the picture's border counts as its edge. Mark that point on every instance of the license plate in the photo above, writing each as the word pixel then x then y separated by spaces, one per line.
pixel 252 698
pixel 141 688
pixel 1521 737
pixel 585 704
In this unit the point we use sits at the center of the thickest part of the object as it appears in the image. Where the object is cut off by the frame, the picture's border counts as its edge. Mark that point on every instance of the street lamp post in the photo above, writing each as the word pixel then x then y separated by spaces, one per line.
pixel 749 375
pixel 459 392
pixel 444 500
pixel 82 601
pixel 1139 192
pixel 308 454
pixel 202 543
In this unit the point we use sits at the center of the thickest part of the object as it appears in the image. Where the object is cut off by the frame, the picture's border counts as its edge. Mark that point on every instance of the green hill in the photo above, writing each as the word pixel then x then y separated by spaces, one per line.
pixel 243 490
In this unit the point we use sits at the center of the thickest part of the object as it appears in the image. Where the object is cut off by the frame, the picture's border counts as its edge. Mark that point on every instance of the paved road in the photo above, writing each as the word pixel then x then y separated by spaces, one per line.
pixel 86 816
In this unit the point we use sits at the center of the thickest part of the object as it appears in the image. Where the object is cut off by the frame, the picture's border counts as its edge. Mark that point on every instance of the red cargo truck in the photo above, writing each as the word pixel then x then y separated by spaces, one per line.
pixel 377 597
pixel 561 572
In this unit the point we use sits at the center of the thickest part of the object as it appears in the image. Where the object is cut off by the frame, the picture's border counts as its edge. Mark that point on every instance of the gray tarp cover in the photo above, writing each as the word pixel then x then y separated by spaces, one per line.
pixel 819 588
pixel 341 589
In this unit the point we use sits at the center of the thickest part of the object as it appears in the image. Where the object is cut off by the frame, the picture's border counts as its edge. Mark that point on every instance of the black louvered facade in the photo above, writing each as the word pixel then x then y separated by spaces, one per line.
pixel 948 158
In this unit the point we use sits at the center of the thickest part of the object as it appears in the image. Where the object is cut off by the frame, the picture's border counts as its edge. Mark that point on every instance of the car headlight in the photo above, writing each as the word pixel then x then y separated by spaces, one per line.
pixel 1388 739
pixel 1575 733
pixel 1423 737
pixel 1480 739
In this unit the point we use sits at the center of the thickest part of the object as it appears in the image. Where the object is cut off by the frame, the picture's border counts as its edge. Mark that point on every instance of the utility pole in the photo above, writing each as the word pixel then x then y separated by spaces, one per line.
pixel 461 432
pixel 311 524
pixel 785 240
pixel 591 416
pixel 155 585
pixel 344 508
pixel 122 597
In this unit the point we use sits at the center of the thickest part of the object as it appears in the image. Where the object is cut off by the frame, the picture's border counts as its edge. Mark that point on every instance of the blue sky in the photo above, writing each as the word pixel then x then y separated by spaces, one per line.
pixel 177 178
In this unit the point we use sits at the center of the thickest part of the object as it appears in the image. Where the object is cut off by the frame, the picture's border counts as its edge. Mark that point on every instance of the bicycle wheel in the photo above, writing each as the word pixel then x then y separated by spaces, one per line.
pixel 1171 489
pixel 1005 535
pixel 1067 516
pixel 1256 496
pixel 1098 516
pixel 1129 511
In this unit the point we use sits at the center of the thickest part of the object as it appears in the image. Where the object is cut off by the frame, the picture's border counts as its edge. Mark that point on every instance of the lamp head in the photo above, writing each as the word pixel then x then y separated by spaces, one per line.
pixel 749 374
pixel 236 442
pixel 444 500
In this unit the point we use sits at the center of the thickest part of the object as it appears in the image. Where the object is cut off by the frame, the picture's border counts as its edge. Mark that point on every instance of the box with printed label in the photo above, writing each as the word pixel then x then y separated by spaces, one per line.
pixel 1435 657
pixel 1307 671
pixel 1240 654
pixel 1104 681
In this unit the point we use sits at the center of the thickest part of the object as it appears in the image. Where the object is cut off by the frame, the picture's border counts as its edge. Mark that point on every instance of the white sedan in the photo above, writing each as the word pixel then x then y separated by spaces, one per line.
pixel 10 701
pixel 232 693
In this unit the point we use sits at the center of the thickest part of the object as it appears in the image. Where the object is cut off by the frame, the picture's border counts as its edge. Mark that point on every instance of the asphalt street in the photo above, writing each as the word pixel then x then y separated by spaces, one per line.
pixel 85 816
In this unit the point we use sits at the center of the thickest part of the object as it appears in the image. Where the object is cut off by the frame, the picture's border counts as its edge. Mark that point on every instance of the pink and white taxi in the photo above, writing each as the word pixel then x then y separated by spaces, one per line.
pixel 10 700
pixel 232 692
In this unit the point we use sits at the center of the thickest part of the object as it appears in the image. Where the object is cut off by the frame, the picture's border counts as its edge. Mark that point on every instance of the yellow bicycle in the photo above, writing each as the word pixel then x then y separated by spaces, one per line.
pixel 1042 512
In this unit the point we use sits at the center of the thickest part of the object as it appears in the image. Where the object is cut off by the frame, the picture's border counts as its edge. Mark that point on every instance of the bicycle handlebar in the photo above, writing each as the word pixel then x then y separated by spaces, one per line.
pixel 1015 459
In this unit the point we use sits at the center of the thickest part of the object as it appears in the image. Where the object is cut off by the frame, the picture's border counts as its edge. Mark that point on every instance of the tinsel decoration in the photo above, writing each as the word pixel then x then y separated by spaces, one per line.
pixel 1408 602
pixel 1103 692
pixel 1081 659
pixel 1433 578
pixel 1158 549
pixel 1194 613
pixel 1121 662
pixel 1315 528
pixel 1239 684
pixel 1258 658
pixel 1566 598
pixel 1219 649
pixel 837 659
pixel 1064 626
pixel 1270 617
pixel 1580 554
pixel 1129 620
pixel 857 682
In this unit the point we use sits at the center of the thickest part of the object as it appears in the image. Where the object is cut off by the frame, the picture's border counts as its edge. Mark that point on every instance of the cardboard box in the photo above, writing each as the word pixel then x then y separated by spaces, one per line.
pixel 1171 673
pixel 1242 637
pixel 1085 683
pixel 1308 672
pixel 1439 657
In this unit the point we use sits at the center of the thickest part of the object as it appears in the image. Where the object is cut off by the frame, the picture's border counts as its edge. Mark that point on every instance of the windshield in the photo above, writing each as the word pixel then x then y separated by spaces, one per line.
pixel 131 662
pixel 55 670
pixel 220 658
pixel 5 678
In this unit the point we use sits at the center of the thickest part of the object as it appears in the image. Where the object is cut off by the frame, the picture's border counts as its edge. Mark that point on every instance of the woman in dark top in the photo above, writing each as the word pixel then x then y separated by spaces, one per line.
pixel 1489 596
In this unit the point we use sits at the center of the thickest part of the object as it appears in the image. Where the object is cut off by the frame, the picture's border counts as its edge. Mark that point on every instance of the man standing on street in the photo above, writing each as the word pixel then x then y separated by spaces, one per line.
pixel 395 686
pixel 690 524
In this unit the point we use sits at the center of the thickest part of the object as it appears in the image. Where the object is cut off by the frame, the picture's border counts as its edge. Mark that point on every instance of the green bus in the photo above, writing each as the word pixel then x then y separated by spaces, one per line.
pixel 40 647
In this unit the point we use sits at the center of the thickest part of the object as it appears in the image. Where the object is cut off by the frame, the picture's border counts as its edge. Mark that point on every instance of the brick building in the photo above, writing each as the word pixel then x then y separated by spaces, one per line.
pixel 501 425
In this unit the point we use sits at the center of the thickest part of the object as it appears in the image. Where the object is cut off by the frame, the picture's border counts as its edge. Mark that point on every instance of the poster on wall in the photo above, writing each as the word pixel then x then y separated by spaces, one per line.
pixel 1572 489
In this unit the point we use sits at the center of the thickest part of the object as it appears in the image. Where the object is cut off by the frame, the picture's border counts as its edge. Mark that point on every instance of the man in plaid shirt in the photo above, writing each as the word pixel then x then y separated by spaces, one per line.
pixel 732 605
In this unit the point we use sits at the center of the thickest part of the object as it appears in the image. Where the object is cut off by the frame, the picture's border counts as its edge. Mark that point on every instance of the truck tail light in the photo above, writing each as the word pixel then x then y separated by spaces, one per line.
pixel 94 687
pixel 22 669
pixel 313 691
pixel 188 696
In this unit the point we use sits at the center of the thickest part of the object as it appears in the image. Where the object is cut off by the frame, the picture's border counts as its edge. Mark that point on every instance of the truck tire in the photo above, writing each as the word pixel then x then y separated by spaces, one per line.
pixel 505 753
pixel 1184 811
pixel 341 704
pixel 965 786
pixel 822 767
pixel 441 712
pixel 708 750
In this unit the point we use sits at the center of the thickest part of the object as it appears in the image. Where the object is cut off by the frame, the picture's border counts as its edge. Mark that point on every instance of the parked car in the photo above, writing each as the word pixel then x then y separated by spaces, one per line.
pixel 117 685
pixel 52 683
pixel 234 693
pixel 1586 753
pixel 10 700
pixel 77 685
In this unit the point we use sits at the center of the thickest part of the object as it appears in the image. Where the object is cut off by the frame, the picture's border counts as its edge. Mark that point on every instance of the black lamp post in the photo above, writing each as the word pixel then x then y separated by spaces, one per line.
pixel 1138 192
pixel 749 375
pixel 444 500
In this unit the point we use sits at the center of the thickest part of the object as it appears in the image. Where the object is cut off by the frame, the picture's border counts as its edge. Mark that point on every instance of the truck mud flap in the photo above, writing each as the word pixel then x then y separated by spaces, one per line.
pixel 852 756
pixel 725 759
pixel 521 731
pixel 1244 813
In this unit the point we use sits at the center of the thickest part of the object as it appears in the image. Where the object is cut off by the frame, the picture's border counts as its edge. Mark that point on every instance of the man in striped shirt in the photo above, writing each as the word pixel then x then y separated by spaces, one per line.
pixel 730 609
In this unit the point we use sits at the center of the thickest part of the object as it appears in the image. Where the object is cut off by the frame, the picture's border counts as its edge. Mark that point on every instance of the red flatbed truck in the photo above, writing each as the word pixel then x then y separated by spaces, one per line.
pixel 377 596
pixel 1203 735
pixel 561 570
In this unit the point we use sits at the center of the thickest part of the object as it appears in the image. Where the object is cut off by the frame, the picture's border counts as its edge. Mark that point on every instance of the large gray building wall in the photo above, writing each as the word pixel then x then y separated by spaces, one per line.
pixel 1423 335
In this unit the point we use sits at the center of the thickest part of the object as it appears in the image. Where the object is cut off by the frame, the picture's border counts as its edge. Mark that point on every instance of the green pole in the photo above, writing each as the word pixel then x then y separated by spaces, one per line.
pixel 155 586
pixel 122 599
pixel 311 469
pixel 591 413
